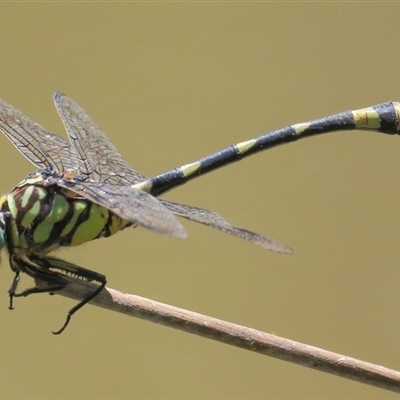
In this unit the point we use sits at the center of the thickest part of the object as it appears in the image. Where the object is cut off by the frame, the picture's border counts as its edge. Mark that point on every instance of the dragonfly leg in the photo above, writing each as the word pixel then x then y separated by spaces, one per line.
pixel 13 288
pixel 52 270
pixel 55 281
pixel 74 309
pixel 59 267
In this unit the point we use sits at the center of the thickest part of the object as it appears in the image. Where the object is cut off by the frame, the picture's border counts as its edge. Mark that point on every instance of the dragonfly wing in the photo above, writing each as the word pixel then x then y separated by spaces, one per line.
pixel 263 241
pixel 214 220
pixel 41 147
pixel 195 214
pixel 130 204
pixel 99 160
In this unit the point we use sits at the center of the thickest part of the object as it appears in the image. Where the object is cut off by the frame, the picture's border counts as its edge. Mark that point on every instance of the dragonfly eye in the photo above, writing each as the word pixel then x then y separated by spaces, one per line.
pixel 2 239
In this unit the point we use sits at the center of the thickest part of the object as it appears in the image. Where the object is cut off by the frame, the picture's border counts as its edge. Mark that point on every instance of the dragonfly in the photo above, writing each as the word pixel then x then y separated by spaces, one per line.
pixel 83 190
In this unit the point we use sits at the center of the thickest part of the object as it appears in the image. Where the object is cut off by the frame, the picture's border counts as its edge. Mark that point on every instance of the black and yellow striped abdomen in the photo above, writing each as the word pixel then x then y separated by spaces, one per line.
pixel 46 217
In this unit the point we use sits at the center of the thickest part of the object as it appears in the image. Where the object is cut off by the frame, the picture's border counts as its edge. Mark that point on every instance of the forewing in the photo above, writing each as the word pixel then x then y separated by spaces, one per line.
pixel 130 204
pixel 259 240
pixel 99 160
pixel 195 214
pixel 214 220
pixel 41 147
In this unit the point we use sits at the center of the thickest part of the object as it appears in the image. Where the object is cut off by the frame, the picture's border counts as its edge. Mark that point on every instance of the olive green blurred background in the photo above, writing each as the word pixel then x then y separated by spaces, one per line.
pixel 169 83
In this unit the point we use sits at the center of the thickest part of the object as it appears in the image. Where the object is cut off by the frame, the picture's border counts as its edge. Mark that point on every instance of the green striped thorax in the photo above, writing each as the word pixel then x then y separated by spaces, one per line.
pixel 44 216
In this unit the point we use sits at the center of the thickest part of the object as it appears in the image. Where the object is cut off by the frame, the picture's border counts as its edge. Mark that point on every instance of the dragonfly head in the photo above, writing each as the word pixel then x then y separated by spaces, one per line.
pixel 2 229
pixel 3 212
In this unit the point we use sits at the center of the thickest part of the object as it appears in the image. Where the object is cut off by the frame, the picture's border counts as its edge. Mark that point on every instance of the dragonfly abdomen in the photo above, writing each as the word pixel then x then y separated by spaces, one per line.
pixel 47 217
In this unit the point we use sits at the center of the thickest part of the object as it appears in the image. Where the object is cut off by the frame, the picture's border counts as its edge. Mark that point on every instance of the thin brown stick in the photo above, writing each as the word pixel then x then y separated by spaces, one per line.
pixel 233 334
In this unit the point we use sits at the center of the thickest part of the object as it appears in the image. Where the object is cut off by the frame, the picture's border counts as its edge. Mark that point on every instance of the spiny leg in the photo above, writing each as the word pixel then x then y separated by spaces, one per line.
pixel 56 283
pixel 61 267
pixel 51 270
pixel 74 309
pixel 13 288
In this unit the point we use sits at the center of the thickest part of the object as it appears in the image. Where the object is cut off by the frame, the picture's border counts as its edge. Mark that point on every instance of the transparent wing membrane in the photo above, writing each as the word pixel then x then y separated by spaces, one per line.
pixel 99 160
pixel 41 147
pixel 214 220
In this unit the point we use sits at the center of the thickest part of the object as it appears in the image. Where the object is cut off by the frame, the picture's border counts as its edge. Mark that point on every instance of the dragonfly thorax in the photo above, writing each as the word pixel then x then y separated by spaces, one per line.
pixel 44 216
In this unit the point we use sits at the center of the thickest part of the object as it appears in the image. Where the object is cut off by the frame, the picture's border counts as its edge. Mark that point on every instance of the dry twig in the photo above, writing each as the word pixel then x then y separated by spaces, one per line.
pixel 233 334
